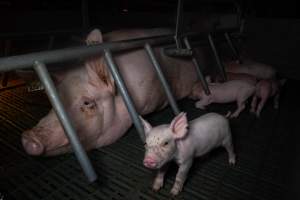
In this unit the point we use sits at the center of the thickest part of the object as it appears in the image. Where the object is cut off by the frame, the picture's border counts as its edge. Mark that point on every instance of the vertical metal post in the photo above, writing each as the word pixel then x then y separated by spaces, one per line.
pixel 232 47
pixel 178 25
pixel 81 155
pixel 6 53
pixel 51 42
pixel 198 70
pixel 162 79
pixel 124 93
pixel 217 57
pixel 85 14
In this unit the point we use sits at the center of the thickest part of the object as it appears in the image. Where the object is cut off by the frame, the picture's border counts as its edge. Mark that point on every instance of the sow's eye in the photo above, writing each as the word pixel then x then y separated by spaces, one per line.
pixel 165 143
pixel 88 104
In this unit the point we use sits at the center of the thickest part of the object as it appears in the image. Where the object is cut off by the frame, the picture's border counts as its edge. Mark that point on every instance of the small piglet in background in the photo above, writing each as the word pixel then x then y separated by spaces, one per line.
pixel 265 89
pixel 231 91
pixel 176 142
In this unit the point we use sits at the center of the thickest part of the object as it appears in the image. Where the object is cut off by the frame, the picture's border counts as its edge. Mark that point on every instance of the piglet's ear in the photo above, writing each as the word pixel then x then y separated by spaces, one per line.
pixel 147 126
pixel 179 126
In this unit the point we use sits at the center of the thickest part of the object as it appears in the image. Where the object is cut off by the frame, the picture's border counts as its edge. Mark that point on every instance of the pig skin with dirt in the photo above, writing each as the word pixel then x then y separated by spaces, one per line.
pixel 175 142
pixel 89 95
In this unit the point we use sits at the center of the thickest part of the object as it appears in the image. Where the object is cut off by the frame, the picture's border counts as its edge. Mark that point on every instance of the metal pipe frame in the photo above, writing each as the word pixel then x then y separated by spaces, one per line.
pixel 113 68
pixel 40 59
pixel 85 14
pixel 67 54
pixel 232 47
pixel 217 57
pixel 178 24
pixel 80 153
pixel 51 42
pixel 162 79
pixel 5 75
pixel 197 66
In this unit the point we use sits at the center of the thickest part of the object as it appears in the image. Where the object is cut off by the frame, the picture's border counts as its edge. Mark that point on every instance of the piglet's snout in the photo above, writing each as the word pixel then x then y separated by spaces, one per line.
pixel 150 162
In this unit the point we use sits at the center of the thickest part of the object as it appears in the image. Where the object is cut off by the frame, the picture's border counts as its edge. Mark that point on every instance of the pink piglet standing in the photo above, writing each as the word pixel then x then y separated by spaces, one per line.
pixel 176 142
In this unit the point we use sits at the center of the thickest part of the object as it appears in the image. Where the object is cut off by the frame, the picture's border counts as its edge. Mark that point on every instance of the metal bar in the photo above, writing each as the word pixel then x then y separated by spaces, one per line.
pixel 85 14
pixel 81 155
pixel 48 57
pixel 14 35
pixel 51 42
pixel 178 30
pixel 217 57
pixel 67 54
pixel 162 79
pixel 124 93
pixel 197 66
pixel 5 76
pixel 232 47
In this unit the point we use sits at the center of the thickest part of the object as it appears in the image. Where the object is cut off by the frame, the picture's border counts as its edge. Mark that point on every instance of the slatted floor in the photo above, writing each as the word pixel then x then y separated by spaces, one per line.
pixel 262 146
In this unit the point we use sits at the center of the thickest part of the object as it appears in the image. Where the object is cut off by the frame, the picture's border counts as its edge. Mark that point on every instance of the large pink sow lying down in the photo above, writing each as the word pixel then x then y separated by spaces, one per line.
pixel 89 95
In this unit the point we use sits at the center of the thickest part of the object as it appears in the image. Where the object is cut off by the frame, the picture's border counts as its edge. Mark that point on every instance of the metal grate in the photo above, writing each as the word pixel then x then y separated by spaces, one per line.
pixel 257 174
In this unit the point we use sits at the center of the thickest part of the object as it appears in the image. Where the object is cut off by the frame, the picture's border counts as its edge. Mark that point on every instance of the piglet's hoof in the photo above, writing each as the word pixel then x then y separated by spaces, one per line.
pixel 174 192
pixel 176 189
pixel 157 185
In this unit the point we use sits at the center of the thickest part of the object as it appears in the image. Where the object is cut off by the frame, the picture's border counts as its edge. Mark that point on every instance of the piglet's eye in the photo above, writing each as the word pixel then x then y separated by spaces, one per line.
pixel 166 143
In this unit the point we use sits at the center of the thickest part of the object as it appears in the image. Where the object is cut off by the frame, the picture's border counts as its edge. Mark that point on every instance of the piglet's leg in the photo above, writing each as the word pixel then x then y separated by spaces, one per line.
pixel 203 102
pixel 241 107
pixel 159 179
pixel 229 148
pixel 261 105
pixel 276 101
pixel 253 104
pixel 181 177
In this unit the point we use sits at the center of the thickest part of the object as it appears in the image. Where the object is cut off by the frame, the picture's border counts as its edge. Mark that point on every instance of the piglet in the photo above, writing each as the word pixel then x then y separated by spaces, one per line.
pixel 265 89
pixel 237 76
pixel 175 142
pixel 230 91
pixel 258 70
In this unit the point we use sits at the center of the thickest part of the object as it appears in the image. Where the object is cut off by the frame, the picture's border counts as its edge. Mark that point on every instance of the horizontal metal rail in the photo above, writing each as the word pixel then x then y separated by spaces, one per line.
pixel 67 54
pixel 16 35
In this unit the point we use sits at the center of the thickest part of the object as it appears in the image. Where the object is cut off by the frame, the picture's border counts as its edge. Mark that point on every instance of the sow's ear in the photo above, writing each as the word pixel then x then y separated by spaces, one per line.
pixel 147 126
pixel 98 72
pixel 179 126
pixel 94 37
